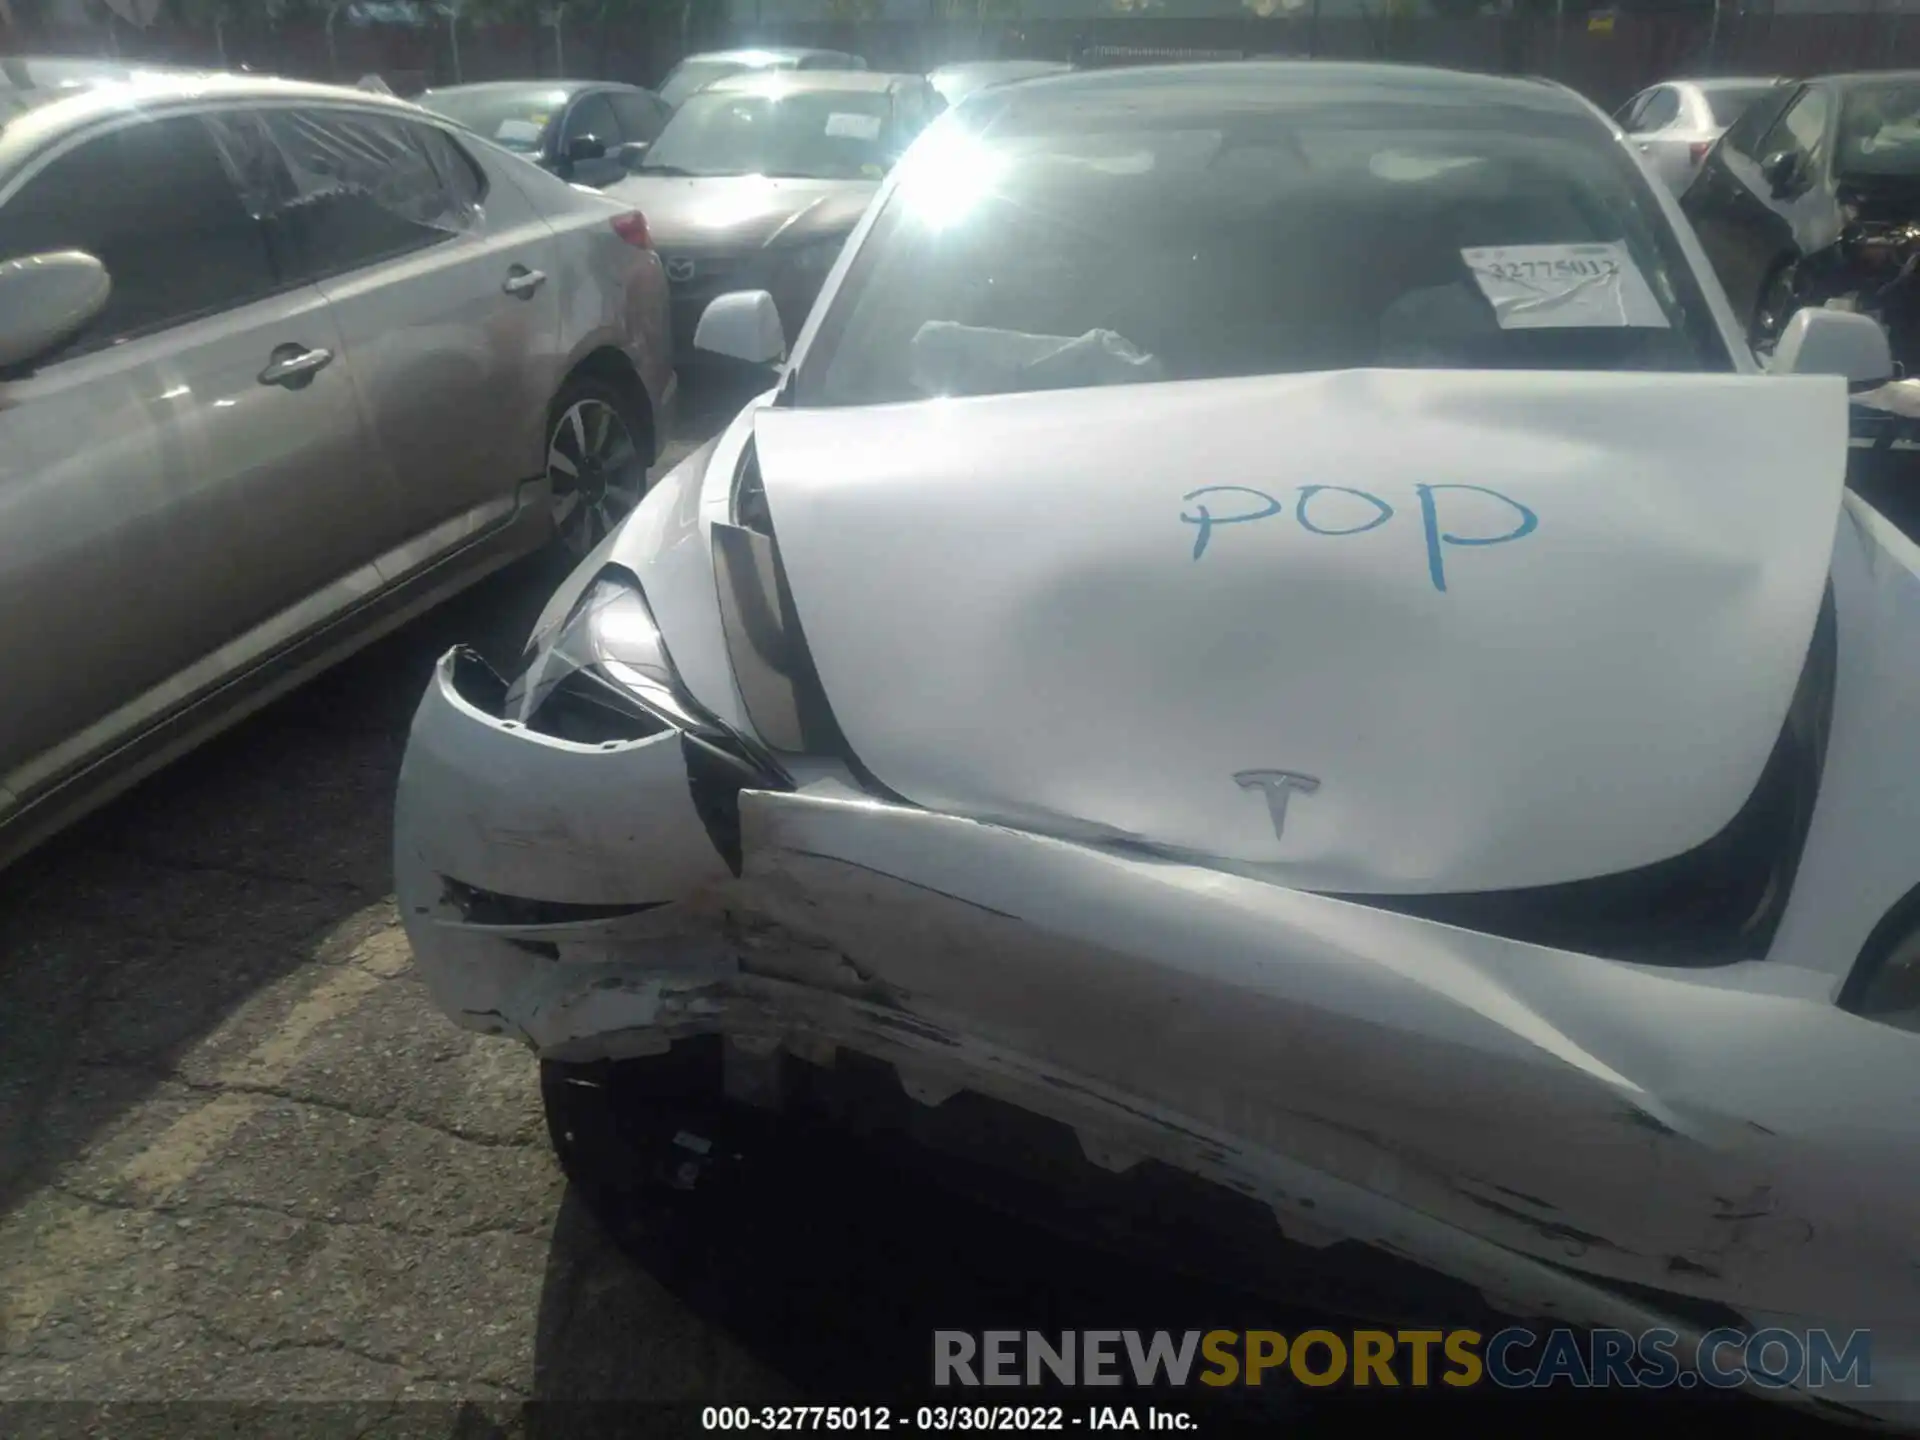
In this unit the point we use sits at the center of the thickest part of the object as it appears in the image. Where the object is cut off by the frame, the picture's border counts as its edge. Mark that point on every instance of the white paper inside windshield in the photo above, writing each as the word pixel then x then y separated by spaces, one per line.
pixel 854 127
pixel 518 132
pixel 1565 287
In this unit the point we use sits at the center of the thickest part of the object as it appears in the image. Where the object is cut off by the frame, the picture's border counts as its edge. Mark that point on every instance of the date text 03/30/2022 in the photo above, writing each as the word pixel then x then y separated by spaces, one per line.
pixel 933 1419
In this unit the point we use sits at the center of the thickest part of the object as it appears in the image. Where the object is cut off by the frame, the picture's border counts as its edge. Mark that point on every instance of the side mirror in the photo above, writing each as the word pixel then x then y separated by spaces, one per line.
pixel 1818 341
pixel 633 152
pixel 742 325
pixel 1780 170
pixel 47 299
pixel 586 147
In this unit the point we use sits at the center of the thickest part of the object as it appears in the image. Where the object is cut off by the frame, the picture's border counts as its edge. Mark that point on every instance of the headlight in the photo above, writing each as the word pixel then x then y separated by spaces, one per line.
pixel 817 258
pixel 609 653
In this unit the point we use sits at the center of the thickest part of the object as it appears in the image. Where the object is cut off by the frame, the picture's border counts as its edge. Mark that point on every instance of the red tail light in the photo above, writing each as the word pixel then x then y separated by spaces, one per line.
pixel 1697 151
pixel 632 228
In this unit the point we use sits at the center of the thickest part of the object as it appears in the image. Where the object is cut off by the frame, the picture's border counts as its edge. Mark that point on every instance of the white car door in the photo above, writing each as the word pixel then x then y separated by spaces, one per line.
pixel 440 280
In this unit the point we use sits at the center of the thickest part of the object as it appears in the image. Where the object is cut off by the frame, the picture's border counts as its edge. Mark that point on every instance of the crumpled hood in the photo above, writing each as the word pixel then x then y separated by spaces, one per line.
pixel 744 212
pixel 1383 631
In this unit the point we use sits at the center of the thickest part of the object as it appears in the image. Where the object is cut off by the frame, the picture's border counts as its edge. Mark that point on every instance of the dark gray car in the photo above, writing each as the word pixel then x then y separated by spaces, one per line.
pixel 758 179
pixel 587 131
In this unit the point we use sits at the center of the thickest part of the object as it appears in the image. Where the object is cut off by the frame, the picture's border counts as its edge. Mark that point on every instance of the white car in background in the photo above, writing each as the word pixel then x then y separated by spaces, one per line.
pixel 1272 622
pixel 1674 124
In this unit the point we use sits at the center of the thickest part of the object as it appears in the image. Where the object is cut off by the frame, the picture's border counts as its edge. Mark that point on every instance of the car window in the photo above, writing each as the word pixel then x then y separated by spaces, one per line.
pixel 1727 103
pixel 1250 244
pixel 1880 131
pixel 367 187
pixel 591 115
pixel 1802 130
pixel 1662 109
pixel 691 76
pixel 155 205
pixel 1628 115
pixel 515 117
pixel 641 116
pixel 811 134
pixel 465 181
pixel 1743 137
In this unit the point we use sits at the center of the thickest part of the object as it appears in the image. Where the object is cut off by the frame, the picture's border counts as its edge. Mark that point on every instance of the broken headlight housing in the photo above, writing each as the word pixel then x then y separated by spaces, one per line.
pixel 607 675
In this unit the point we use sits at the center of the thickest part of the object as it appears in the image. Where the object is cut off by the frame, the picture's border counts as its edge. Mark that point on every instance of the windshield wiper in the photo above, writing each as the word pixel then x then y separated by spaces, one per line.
pixel 646 169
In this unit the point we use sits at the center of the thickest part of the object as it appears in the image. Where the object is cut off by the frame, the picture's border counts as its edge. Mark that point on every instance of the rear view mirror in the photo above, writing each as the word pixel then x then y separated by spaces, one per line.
pixel 633 152
pixel 1818 341
pixel 1781 170
pixel 586 147
pixel 47 299
pixel 743 325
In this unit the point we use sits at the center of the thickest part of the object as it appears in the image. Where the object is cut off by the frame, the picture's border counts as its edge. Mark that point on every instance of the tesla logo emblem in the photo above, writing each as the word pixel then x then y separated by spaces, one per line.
pixel 1278 785
pixel 679 271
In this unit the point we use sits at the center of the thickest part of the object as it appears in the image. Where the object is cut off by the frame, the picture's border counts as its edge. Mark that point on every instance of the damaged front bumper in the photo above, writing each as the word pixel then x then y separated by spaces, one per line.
pixel 1598 1143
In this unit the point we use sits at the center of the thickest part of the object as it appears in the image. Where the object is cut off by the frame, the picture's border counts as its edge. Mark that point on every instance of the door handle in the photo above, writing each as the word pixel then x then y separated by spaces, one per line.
pixel 294 366
pixel 521 281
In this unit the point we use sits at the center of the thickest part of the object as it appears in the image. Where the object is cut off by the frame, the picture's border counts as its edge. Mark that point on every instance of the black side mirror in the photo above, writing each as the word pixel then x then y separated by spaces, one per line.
pixel 586 147
pixel 1781 170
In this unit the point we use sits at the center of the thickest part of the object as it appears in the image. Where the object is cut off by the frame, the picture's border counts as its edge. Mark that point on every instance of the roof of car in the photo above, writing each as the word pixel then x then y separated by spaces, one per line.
pixel 754 52
pixel 1292 82
pixel 1726 82
pixel 27 132
pixel 1864 77
pixel 972 67
pixel 509 87
pixel 791 82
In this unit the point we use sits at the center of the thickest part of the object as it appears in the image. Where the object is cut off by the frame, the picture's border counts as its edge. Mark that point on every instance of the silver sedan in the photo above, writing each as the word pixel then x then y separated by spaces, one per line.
pixel 1674 124
pixel 280 366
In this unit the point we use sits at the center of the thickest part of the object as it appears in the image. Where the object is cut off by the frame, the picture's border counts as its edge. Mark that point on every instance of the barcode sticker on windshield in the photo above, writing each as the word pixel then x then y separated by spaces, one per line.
pixel 1565 287
pixel 854 127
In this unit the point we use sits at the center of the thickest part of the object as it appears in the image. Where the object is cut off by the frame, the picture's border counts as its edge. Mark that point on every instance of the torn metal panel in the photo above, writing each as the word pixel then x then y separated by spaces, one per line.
pixel 1375 1046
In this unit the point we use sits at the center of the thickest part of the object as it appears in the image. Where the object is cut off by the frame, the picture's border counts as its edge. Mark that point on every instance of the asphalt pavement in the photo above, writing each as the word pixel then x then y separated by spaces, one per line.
pixel 251 1182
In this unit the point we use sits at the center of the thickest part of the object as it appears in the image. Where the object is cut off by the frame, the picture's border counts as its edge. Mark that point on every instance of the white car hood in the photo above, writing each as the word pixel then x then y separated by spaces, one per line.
pixel 1014 616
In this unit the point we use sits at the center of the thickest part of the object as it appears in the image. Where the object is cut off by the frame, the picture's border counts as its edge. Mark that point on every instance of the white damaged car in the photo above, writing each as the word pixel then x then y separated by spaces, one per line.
pixel 1270 621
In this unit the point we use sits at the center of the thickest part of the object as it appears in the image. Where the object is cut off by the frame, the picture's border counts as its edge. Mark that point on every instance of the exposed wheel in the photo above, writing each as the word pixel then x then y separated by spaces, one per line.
pixel 644 1140
pixel 598 446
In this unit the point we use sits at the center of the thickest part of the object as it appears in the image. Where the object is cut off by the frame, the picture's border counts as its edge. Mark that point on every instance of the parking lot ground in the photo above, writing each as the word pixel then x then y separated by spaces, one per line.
pixel 244 1163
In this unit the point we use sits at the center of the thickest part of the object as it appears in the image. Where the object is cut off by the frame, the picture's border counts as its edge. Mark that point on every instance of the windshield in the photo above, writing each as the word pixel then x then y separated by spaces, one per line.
pixel 692 76
pixel 1112 251
pixel 514 118
pixel 1880 131
pixel 810 134
pixel 1729 102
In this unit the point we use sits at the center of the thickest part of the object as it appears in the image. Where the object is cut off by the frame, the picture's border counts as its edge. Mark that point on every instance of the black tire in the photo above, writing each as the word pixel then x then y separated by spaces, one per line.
pixel 603 433
pixel 649 1144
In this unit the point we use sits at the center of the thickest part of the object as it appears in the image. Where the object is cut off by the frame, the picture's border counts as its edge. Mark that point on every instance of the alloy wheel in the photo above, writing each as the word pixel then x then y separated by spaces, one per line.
pixel 596 473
